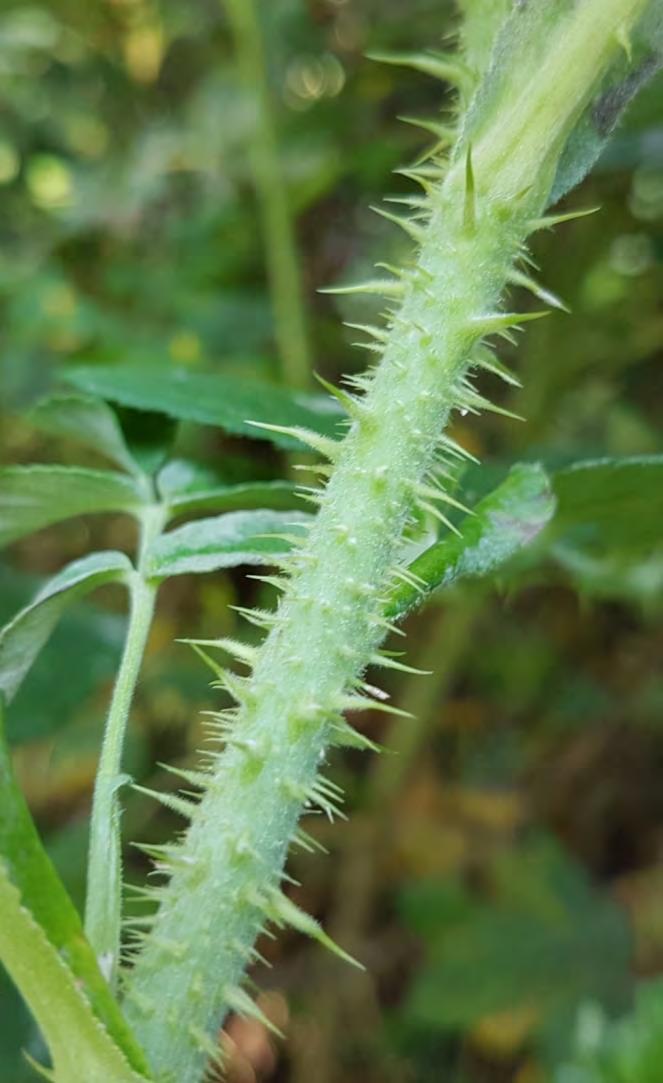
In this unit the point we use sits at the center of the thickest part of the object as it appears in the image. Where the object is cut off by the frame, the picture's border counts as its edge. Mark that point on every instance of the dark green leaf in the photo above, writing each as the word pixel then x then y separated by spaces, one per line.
pixel 31 872
pixel 611 503
pixel 242 537
pixel 209 399
pixel 186 492
pixel 607 531
pixel 149 435
pixel 17 1033
pixel 22 639
pixel 87 420
pixel 86 645
pixel 502 524
pixel 546 941
pixel 32 497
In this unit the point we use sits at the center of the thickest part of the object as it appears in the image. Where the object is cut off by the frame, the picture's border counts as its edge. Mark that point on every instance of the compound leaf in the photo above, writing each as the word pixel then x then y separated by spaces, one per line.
pixel 33 497
pixel 225 541
pixel 22 639
pixel 210 399
pixel 89 421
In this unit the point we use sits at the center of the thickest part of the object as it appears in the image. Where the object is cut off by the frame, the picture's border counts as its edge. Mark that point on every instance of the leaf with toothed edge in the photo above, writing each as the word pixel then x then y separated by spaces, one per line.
pixel 225 541
pixel 34 497
pixel 188 496
pixel 208 398
pixel 80 1046
pixel 31 872
pixel 501 524
pixel 22 639
pixel 88 421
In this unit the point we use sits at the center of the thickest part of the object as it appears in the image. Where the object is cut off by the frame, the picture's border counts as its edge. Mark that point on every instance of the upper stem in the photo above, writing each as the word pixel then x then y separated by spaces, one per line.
pixel 103 906
pixel 277 223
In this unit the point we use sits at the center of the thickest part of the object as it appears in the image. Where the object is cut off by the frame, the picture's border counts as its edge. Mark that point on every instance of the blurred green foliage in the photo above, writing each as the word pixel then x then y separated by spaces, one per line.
pixel 516 903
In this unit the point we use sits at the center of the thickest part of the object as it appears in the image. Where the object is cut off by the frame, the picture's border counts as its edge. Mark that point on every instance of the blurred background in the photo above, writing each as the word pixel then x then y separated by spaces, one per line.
pixel 501 879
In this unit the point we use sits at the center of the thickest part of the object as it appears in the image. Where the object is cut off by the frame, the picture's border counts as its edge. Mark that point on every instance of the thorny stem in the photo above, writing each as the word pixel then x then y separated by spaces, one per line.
pixel 103 906
pixel 364 849
pixel 277 224
pixel 225 872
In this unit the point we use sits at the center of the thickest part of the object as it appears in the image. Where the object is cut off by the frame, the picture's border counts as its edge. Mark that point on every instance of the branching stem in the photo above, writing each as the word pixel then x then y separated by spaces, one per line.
pixel 103 906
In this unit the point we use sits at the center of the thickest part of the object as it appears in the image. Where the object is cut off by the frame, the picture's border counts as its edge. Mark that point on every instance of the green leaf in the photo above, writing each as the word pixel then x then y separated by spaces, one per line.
pixel 501 524
pixel 627 1051
pixel 149 435
pixel 185 493
pixel 639 59
pixel 89 421
pixel 33 497
pixel 527 34
pixel 22 639
pixel 242 537
pixel 86 645
pixel 608 503
pixel 24 862
pixel 607 531
pixel 209 399
pixel 80 1046
pixel 546 941
pixel 17 1033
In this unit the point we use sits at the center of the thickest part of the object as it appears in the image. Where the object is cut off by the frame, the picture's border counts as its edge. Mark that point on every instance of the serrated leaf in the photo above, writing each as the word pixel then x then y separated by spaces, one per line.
pixel 33 497
pixel 502 523
pixel 86 644
pixel 224 541
pixel 185 496
pixel 22 639
pixel 80 1046
pixel 149 435
pixel 31 873
pixel 87 420
pixel 209 399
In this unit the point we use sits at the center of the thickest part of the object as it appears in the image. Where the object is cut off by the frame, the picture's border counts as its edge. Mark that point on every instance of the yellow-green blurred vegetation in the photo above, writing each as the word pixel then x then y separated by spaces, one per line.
pixel 501 877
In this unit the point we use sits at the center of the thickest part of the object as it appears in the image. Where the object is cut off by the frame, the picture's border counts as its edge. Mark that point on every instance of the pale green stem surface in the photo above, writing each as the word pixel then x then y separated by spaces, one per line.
pixel 226 872
pixel 481 23
pixel 277 223
pixel 103 906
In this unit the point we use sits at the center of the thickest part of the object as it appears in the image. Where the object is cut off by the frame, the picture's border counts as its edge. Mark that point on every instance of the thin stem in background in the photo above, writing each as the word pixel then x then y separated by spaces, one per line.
pixel 278 230
pixel 103 907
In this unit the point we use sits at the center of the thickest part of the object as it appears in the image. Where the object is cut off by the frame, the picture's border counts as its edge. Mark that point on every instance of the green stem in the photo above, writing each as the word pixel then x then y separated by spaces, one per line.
pixel 277 224
pixel 103 907
pixel 351 1003
pixel 226 872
